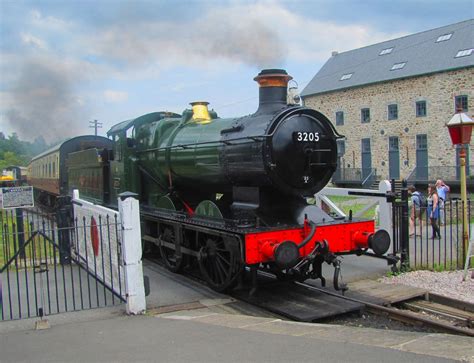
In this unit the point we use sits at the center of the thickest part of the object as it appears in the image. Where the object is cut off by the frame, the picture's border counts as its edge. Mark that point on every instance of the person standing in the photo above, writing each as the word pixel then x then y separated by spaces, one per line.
pixel 433 210
pixel 442 189
pixel 415 212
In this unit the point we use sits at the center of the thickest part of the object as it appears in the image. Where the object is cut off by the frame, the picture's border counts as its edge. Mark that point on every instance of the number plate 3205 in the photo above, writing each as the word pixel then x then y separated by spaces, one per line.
pixel 306 136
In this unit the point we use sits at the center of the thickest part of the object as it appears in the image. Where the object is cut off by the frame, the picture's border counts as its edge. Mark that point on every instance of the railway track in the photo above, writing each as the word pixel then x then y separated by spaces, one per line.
pixel 460 315
pixel 446 308
pixel 415 318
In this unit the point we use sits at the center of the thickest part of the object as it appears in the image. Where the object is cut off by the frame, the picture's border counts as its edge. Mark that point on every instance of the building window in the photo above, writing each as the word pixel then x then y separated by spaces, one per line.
pixel 398 66
pixel 393 143
pixel 339 118
pixel 392 112
pixel 365 115
pixel 346 76
pixel 464 53
pixel 421 109
pixel 341 147
pixel 421 142
pixel 460 104
pixel 386 51
pixel 443 38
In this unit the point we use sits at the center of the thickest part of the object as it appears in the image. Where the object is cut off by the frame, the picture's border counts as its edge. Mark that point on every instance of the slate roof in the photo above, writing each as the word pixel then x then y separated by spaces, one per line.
pixel 421 52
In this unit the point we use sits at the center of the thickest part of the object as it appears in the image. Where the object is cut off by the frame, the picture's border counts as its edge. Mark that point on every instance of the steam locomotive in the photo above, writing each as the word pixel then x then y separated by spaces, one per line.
pixel 223 195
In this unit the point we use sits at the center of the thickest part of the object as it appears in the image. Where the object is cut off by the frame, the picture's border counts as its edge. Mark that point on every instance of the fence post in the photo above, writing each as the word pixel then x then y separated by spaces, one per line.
pixel 404 238
pixel 63 215
pixel 20 231
pixel 385 211
pixel 132 253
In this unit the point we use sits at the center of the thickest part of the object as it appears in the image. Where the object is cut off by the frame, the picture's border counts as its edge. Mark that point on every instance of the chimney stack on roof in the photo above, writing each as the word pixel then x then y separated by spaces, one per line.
pixel 334 53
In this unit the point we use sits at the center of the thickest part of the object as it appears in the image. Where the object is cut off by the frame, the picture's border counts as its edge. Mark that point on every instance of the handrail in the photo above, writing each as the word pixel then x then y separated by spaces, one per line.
pixel 411 173
pixel 373 171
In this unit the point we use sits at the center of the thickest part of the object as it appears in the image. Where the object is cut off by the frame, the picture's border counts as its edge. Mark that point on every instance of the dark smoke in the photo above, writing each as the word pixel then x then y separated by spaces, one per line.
pixel 44 102
pixel 214 36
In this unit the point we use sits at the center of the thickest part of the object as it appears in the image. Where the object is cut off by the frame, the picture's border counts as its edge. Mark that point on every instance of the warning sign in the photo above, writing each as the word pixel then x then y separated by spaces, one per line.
pixel 16 197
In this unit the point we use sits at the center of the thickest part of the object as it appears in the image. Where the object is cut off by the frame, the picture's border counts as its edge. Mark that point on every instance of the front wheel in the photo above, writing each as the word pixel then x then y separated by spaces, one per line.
pixel 169 249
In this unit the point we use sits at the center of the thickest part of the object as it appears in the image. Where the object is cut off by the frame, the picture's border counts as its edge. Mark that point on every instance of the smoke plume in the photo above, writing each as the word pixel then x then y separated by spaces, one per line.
pixel 231 34
pixel 43 101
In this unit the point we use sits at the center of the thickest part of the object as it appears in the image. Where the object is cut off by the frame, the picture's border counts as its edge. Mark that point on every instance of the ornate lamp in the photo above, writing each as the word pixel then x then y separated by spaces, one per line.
pixel 460 130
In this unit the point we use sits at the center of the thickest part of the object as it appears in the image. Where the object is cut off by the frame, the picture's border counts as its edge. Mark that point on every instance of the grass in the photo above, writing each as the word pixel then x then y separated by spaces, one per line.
pixel 356 207
pixel 441 268
pixel 9 239
pixel 340 198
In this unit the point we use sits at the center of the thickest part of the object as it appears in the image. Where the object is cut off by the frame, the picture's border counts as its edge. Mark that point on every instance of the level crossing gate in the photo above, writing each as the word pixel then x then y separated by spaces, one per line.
pixel 67 261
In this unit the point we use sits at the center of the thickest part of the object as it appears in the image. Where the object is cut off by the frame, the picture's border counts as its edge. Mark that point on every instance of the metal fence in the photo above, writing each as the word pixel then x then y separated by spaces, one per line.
pixel 52 263
pixel 417 242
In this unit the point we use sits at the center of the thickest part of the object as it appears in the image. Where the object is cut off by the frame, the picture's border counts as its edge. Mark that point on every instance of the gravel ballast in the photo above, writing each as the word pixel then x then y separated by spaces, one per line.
pixel 447 283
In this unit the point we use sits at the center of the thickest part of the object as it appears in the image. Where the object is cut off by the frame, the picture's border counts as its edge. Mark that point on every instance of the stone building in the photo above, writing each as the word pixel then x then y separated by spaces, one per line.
pixel 392 100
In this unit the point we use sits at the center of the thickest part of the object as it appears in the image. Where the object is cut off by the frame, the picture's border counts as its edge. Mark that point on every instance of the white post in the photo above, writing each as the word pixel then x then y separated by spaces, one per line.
pixel 132 253
pixel 385 211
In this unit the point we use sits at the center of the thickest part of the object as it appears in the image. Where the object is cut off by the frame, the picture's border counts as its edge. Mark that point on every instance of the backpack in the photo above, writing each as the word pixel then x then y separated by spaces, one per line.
pixel 423 202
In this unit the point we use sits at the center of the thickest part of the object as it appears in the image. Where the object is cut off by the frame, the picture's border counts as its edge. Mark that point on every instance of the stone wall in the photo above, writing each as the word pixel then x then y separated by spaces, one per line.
pixel 438 90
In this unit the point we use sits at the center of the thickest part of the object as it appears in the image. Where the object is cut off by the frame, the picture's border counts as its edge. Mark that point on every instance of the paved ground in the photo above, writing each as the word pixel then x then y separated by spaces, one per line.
pixel 212 328
pixel 205 336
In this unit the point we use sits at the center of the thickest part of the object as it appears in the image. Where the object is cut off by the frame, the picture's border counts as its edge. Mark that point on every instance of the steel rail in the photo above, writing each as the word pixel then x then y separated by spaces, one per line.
pixel 403 316
pixel 418 306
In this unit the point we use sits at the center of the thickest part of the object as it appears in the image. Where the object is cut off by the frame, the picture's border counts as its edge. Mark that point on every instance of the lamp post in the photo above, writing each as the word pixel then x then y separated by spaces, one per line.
pixel 460 129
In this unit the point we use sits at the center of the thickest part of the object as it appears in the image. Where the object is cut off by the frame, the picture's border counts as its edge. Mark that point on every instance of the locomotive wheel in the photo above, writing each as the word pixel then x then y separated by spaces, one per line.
pixel 172 260
pixel 220 263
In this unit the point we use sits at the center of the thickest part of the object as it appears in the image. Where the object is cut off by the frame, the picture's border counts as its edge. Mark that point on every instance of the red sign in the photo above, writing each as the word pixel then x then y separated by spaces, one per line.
pixel 94 236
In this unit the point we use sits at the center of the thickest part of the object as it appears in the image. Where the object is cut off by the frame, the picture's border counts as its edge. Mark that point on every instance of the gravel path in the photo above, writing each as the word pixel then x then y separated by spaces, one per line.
pixel 448 283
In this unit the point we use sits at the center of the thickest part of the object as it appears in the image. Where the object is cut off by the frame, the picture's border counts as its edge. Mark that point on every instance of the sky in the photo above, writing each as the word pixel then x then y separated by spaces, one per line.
pixel 64 63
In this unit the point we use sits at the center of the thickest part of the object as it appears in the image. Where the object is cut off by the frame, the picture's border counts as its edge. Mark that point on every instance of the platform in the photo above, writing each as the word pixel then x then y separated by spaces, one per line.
pixel 383 294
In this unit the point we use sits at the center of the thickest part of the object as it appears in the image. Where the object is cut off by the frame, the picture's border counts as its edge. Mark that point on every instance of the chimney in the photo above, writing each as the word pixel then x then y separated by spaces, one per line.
pixel 273 85
pixel 334 53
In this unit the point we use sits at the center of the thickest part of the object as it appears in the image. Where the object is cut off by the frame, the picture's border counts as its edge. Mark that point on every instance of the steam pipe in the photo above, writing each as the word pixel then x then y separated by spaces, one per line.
pixel 309 237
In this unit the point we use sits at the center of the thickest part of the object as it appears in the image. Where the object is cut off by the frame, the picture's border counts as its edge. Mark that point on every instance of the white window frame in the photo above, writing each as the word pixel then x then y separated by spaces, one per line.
pixel 386 51
pixel 444 37
pixel 464 53
pixel 346 76
pixel 397 66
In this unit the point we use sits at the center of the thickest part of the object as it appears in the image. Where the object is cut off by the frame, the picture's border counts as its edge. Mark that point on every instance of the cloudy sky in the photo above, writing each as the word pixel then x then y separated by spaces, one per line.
pixel 64 63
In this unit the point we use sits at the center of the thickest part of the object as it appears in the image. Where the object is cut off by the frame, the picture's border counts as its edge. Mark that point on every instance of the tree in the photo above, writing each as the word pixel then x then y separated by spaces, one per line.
pixel 13 151
pixel 10 159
